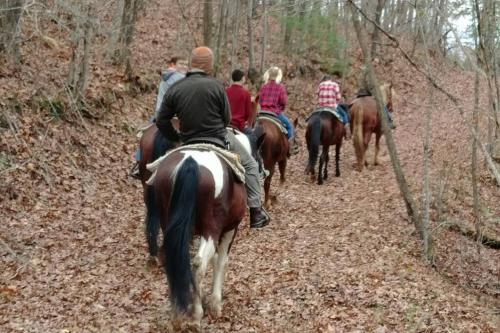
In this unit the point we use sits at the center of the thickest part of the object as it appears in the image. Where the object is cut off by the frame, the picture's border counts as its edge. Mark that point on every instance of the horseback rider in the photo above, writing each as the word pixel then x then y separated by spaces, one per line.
pixel 240 102
pixel 200 103
pixel 177 67
pixel 273 98
pixel 329 96
pixel 365 88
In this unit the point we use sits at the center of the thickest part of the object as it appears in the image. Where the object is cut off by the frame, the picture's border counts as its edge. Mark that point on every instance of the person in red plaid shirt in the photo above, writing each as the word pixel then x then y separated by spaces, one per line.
pixel 329 96
pixel 273 98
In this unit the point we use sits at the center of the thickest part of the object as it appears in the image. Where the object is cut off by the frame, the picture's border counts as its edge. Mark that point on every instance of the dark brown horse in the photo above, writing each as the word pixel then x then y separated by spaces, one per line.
pixel 152 145
pixel 197 193
pixel 365 121
pixel 325 129
pixel 274 150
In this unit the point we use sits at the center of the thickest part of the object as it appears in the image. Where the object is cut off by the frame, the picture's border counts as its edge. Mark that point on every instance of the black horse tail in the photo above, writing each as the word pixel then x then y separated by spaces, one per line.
pixel 181 220
pixel 160 147
pixel 313 147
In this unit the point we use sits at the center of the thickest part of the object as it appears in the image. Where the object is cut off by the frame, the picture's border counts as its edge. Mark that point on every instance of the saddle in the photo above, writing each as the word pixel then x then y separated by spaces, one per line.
pixel 271 116
pixel 327 109
pixel 233 160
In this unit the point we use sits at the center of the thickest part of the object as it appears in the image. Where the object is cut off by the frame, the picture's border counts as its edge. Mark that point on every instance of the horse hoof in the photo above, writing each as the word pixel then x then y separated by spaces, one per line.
pixel 214 307
pixel 151 262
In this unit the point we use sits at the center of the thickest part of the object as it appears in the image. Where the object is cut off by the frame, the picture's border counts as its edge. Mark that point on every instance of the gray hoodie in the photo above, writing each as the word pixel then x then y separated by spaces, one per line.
pixel 168 78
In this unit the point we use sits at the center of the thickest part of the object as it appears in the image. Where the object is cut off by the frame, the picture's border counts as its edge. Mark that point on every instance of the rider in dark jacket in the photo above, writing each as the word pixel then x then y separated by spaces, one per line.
pixel 200 103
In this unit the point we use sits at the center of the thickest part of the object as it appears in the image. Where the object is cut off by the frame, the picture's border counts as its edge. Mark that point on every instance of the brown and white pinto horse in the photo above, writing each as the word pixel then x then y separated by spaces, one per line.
pixel 197 193
pixel 365 121
pixel 274 150
pixel 325 129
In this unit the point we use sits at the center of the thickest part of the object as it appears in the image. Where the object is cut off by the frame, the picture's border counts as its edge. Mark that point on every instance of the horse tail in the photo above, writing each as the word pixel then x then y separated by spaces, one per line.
pixel 313 146
pixel 152 220
pixel 181 220
pixel 357 129
pixel 160 147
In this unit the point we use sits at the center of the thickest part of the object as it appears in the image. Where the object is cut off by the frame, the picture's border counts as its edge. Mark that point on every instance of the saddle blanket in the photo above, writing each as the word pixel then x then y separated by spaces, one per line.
pixel 233 160
pixel 325 109
pixel 271 116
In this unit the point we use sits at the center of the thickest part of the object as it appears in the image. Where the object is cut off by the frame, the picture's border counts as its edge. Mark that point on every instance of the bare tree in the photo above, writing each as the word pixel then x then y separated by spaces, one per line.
pixel 264 38
pixel 125 37
pixel 207 22
pixel 411 207
pixel 250 34
pixel 10 14
pixel 220 35
pixel 236 32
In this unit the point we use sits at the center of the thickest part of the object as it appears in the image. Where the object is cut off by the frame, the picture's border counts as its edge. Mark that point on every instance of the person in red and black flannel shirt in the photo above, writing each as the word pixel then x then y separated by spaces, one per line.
pixel 329 96
pixel 273 98
pixel 240 102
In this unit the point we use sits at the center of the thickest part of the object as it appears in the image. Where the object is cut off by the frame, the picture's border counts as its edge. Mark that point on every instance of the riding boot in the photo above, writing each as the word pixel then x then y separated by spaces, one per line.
pixel 258 217
pixel 293 148
pixel 347 131
pixel 134 172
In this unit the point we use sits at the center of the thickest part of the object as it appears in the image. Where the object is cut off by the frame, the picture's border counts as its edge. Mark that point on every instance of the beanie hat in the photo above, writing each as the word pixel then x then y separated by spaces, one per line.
pixel 202 58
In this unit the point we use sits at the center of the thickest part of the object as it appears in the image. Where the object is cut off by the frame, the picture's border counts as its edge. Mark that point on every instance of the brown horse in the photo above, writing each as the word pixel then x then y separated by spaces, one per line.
pixel 365 121
pixel 152 145
pixel 197 193
pixel 325 129
pixel 274 150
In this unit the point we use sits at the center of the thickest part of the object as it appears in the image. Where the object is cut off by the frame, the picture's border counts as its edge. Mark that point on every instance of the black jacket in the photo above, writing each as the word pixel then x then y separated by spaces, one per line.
pixel 200 103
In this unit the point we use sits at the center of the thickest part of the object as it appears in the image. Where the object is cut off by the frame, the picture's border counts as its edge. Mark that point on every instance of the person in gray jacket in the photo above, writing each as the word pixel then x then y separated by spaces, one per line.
pixel 200 103
pixel 177 68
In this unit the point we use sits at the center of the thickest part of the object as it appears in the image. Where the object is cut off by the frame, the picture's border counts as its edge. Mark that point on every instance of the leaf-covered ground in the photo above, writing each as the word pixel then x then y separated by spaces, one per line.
pixel 341 257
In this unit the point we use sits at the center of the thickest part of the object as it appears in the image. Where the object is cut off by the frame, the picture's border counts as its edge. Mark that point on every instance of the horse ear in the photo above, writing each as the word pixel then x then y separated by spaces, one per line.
pixel 260 140
pixel 296 122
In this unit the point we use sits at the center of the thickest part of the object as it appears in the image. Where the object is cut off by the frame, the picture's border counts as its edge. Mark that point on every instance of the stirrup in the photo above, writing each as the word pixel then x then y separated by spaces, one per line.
pixel 134 172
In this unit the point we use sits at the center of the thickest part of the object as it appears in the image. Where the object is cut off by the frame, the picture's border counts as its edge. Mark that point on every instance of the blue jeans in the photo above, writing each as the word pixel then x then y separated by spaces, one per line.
pixel 342 111
pixel 287 123
pixel 137 154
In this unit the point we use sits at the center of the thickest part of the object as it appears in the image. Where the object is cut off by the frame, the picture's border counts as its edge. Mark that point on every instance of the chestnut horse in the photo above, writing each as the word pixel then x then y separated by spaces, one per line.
pixel 274 150
pixel 365 121
pixel 325 129
pixel 197 193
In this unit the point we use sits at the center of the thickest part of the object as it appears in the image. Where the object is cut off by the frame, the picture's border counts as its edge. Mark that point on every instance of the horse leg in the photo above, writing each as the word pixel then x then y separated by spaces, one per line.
pixel 219 266
pixel 282 168
pixel 337 159
pixel 321 162
pixel 200 263
pixel 377 148
pixel 267 186
pixel 366 141
pixel 327 159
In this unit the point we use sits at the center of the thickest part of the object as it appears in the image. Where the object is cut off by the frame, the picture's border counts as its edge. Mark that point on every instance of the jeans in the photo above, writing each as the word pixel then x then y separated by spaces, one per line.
pixel 251 171
pixel 287 123
pixel 342 111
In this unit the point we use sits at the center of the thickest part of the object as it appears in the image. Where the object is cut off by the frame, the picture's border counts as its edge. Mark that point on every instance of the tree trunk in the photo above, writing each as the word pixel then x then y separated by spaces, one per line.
pixel 236 32
pixel 264 39
pixel 207 23
pixel 288 25
pixel 10 14
pixel 375 34
pixel 411 207
pixel 250 34
pixel 219 36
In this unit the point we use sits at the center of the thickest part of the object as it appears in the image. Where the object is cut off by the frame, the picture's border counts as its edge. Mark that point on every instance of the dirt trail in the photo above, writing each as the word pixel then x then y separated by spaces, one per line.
pixel 341 256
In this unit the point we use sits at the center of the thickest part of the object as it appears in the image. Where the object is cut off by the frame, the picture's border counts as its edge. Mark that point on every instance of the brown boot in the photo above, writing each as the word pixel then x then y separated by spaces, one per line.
pixel 258 217
pixel 347 132
pixel 293 148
